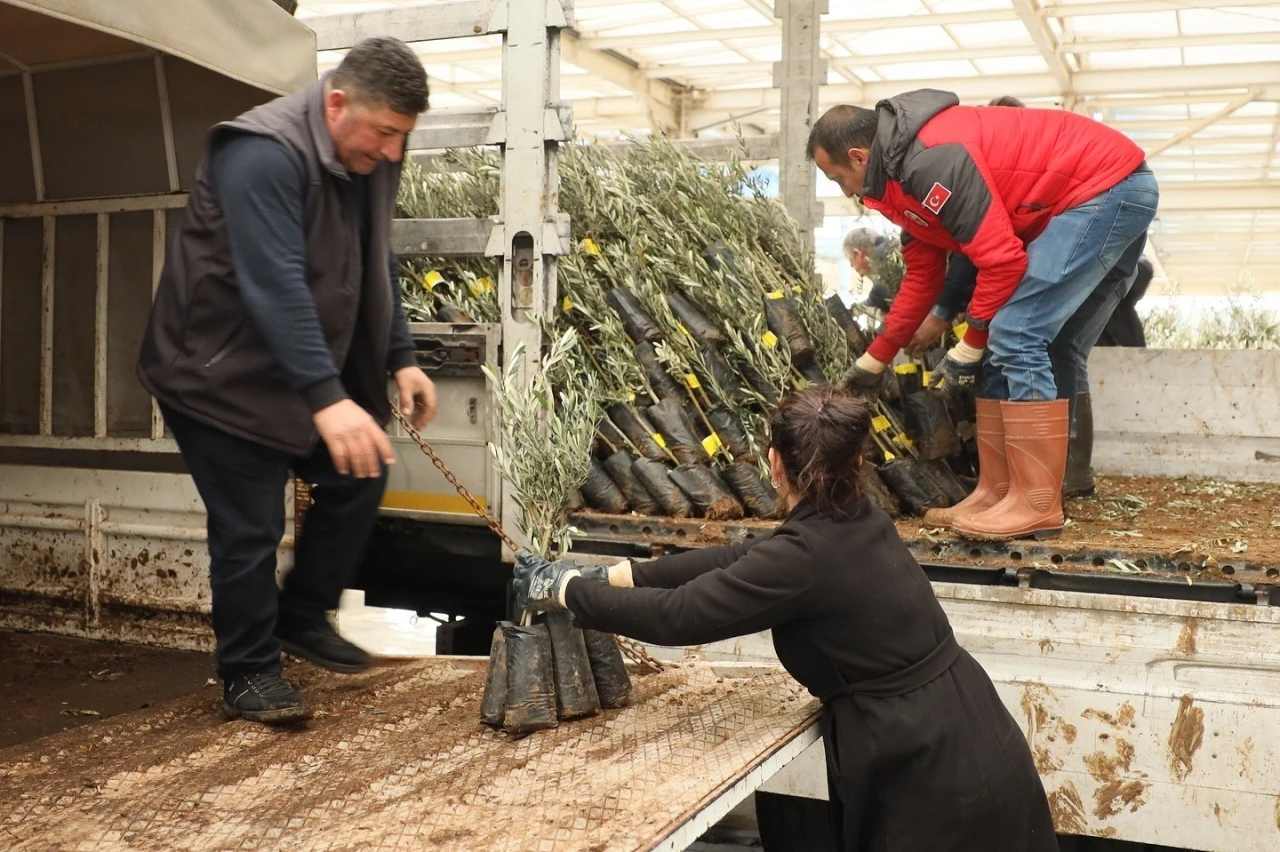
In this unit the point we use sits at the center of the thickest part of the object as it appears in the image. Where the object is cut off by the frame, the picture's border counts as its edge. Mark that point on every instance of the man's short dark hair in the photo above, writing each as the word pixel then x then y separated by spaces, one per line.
pixel 842 127
pixel 383 71
pixel 1006 100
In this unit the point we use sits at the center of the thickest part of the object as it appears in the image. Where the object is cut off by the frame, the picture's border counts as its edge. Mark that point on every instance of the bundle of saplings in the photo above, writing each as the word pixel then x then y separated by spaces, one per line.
pixel 696 307
pixel 542 669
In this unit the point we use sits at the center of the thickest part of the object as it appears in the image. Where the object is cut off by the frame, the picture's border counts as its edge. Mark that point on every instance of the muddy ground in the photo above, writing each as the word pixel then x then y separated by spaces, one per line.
pixel 1197 527
pixel 54 683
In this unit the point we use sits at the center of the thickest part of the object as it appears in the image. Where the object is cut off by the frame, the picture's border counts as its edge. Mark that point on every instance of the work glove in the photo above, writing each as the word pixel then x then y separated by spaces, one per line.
pixel 959 369
pixel 614 575
pixel 540 584
pixel 865 378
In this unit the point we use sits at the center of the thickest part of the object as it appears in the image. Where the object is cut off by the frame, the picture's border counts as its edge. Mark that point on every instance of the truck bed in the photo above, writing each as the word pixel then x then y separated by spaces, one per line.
pixel 397 758
pixel 1195 530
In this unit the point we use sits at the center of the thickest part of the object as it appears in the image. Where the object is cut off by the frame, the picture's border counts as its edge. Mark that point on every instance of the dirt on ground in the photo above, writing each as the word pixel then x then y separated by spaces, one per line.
pixel 1200 524
pixel 54 683
pixel 394 755
pixel 1202 528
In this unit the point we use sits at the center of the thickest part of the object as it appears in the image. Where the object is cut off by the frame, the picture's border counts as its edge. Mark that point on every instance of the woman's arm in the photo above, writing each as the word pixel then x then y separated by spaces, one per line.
pixel 764 587
pixel 672 572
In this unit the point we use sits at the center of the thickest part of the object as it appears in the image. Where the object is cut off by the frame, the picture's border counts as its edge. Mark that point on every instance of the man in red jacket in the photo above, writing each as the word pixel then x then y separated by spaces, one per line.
pixel 1044 203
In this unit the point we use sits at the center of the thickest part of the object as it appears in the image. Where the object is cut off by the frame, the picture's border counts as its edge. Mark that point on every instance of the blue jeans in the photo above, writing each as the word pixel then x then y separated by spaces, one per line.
pixel 1077 271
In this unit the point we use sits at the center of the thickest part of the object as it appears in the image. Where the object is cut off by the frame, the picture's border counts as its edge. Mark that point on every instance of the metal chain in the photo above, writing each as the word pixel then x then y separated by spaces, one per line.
pixel 634 650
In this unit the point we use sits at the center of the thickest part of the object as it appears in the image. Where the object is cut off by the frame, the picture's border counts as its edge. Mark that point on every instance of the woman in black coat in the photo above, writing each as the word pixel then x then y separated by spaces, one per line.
pixel 922 756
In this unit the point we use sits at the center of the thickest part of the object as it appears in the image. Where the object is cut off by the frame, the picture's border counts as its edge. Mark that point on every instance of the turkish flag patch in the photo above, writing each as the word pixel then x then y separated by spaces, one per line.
pixel 937 198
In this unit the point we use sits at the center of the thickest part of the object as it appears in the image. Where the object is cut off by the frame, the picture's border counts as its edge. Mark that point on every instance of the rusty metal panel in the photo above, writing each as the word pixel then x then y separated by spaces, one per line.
pixel 1152 721
pixel 107 555
pixel 397 758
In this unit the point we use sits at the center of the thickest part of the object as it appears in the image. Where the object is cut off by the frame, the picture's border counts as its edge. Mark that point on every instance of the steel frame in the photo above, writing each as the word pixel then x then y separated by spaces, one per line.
pixel 528 233
pixel 49 212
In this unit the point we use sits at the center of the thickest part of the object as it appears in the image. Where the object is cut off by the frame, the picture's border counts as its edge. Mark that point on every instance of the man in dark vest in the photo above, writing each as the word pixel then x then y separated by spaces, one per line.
pixel 276 326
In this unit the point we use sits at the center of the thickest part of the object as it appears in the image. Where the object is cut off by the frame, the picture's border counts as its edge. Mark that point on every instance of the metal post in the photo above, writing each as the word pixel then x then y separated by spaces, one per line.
pixel 166 123
pixel 157 265
pixel 798 75
pixel 530 86
pixel 1 293
pixel 47 269
pixel 95 541
pixel 103 268
pixel 33 134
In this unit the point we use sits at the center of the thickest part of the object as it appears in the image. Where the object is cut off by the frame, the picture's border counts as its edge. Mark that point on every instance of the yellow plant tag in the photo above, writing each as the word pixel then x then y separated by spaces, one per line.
pixel 712 444
pixel 777 294
pixel 961 329
pixel 480 286
pixel 928 378
pixel 889 457
pixel 905 369
pixel 567 304
pixel 658 439
pixel 769 339
pixel 431 279
pixel 692 381
pixel 880 423
pixel 798 289
pixel 903 441
pixel 589 246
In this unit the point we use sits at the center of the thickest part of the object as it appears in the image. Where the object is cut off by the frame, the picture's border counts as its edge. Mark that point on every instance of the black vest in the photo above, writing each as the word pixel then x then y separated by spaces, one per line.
pixel 201 354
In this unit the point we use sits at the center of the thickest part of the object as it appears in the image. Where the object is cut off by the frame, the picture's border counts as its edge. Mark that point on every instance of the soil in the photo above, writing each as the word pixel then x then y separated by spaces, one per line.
pixel 54 683
pixel 1204 529
pixel 1200 524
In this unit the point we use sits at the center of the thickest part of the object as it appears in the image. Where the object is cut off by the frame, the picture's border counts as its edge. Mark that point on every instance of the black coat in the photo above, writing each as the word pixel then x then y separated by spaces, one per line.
pixel 926 760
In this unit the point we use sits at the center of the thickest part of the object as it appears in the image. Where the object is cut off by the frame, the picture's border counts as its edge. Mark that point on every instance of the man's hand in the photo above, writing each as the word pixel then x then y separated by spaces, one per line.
pixel 960 369
pixel 540 584
pixel 929 333
pixel 417 395
pixel 864 378
pixel 356 443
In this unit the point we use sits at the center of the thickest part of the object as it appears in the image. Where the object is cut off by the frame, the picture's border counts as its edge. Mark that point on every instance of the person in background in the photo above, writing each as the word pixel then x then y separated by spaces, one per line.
pixel 1125 326
pixel 921 752
pixel 860 247
pixel 276 325
pixel 1044 203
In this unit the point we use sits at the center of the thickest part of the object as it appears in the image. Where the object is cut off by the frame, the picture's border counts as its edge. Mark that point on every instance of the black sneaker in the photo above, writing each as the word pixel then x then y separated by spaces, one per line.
pixel 322 645
pixel 262 697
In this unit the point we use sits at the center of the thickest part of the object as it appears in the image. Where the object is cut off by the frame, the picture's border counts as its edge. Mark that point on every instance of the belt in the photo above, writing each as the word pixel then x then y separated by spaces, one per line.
pixel 906 680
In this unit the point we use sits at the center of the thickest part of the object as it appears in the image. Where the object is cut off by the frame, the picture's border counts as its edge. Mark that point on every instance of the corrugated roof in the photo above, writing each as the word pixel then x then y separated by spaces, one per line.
pixel 1194 82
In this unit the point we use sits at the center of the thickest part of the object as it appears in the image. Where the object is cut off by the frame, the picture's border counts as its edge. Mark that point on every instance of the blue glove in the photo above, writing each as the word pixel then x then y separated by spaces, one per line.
pixel 540 584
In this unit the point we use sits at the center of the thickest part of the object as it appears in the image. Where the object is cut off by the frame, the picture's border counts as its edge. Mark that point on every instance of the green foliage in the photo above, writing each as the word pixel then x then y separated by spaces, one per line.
pixel 1245 323
pixel 548 420
pixel 643 220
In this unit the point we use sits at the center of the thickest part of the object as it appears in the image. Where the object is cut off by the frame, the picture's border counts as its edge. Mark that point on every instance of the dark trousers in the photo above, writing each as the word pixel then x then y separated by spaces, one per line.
pixel 242 485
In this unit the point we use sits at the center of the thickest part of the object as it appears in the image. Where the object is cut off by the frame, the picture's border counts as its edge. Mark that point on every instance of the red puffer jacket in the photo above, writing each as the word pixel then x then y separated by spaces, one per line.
pixel 983 181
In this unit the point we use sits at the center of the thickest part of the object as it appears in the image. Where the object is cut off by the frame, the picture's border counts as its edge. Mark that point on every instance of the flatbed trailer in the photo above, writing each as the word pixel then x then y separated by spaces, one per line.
pixel 397 758
pixel 1146 687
